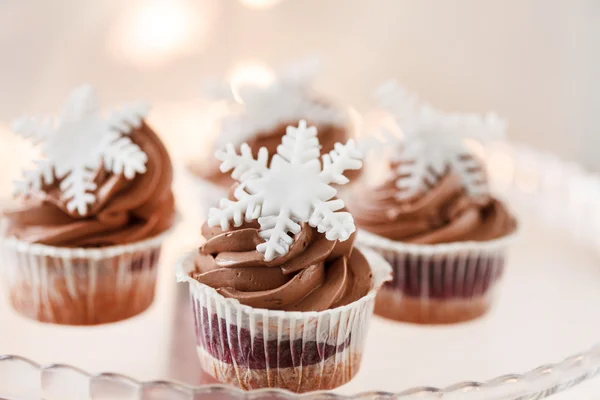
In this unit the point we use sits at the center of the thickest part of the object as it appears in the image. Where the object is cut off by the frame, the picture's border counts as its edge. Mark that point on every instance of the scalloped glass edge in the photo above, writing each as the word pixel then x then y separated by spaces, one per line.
pixel 541 382
pixel 534 174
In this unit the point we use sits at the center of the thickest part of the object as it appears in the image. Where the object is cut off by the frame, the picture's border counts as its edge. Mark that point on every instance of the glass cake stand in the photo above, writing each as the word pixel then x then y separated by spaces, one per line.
pixel 537 341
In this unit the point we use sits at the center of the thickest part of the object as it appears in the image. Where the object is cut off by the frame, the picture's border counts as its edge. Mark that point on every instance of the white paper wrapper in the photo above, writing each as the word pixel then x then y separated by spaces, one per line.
pixel 77 286
pixel 441 283
pixel 298 351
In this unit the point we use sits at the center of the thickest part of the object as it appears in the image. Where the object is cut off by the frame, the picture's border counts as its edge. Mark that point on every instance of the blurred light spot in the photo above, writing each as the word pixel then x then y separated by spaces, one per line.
pixel 249 73
pixel 259 4
pixel 356 122
pixel 476 148
pixel 153 33
pixel 527 182
pixel 16 154
pixel 371 121
pixel 501 168
pixel 379 126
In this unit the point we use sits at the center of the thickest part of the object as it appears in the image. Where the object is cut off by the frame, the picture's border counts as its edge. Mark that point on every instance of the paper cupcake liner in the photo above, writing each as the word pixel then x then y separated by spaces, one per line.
pixel 442 283
pixel 298 351
pixel 78 286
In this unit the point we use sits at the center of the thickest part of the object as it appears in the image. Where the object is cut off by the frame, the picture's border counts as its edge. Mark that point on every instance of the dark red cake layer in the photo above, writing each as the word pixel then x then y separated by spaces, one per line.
pixel 236 344
pixel 444 278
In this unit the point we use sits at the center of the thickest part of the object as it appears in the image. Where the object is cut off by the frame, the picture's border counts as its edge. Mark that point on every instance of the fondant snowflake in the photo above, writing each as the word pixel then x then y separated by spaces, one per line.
pixel 434 142
pixel 79 142
pixel 294 189
pixel 266 108
pixel 301 72
pixel 288 98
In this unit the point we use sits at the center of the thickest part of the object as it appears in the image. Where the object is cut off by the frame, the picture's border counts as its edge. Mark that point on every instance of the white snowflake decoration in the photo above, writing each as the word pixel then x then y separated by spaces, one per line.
pixel 295 188
pixel 262 108
pixel 79 142
pixel 434 141
pixel 302 72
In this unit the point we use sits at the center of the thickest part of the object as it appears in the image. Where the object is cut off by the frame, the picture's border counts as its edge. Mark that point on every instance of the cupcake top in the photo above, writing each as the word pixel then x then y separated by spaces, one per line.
pixel 290 246
pixel 260 116
pixel 438 190
pixel 102 181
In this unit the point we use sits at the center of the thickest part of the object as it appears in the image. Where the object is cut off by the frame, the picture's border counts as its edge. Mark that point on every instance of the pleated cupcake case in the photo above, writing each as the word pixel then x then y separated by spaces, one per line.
pixel 80 286
pixel 440 283
pixel 299 351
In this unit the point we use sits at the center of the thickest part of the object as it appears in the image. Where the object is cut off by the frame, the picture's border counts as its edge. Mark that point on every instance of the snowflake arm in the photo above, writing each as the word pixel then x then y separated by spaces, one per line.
pixel 378 141
pixel 336 225
pixel 496 126
pixel 420 165
pixel 474 126
pixel 217 89
pixel 35 179
pixel 37 129
pixel 274 229
pixel 244 165
pixel 247 207
pixel 341 158
pixel 301 73
pixel 122 156
pixel 299 145
pixel 397 100
pixel 460 157
pixel 128 117
pixel 472 173
pixel 77 187
pixel 412 178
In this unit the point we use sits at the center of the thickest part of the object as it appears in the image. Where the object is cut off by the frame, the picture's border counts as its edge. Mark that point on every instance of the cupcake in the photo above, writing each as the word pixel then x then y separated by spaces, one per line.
pixel 83 245
pixel 281 297
pixel 434 219
pixel 259 117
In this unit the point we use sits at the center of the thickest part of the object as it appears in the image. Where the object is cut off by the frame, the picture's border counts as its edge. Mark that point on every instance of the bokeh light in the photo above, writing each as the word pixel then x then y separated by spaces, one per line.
pixel 357 122
pixel 253 72
pixel 152 33
pixel 501 168
pixel 259 4
pixel 476 148
pixel 16 154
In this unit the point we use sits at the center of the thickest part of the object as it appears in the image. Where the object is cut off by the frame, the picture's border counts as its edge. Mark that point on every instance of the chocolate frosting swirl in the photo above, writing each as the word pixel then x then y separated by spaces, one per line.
pixel 316 274
pixel 443 214
pixel 328 135
pixel 125 211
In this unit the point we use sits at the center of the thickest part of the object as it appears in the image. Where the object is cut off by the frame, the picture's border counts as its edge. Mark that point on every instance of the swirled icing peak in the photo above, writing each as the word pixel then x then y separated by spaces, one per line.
pixel 314 275
pixel 444 213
